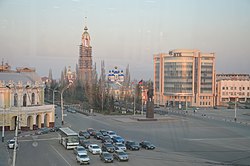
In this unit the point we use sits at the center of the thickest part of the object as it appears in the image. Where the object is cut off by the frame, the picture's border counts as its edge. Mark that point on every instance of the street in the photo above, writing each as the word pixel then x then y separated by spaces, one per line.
pixel 179 140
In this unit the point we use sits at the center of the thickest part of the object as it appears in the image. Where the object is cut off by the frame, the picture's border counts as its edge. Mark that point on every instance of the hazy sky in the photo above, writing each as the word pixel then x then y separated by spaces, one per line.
pixel 46 33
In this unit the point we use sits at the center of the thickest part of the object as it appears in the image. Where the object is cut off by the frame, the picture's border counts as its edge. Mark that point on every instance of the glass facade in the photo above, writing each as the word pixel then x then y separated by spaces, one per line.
pixel 157 76
pixel 178 77
pixel 206 77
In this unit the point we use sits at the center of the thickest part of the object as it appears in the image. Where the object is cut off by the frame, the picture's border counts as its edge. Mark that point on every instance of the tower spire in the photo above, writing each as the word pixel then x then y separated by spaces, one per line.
pixel 85 23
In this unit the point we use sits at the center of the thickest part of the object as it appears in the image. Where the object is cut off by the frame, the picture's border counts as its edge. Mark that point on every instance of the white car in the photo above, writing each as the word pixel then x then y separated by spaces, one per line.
pixel 94 149
pixel 11 144
pixel 120 146
pixel 82 158
pixel 111 134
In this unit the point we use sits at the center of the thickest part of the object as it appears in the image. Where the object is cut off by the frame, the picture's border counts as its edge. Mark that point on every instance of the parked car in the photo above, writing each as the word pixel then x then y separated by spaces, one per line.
pixel 94 149
pixel 97 135
pixel 132 145
pixel 147 145
pixel 54 129
pixel 103 131
pixel 79 149
pixel 106 138
pixel 90 131
pixel 120 146
pixel 71 110
pixel 106 157
pixel 85 143
pixel 118 139
pixel 11 144
pixel 111 134
pixel 121 155
pixel 108 147
pixel 43 130
pixel 83 158
pixel 81 139
pixel 84 133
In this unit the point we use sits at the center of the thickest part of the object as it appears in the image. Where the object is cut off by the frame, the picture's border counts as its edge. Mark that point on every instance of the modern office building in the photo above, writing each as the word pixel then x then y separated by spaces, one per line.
pixel 184 78
pixel 22 96
pixel 231 88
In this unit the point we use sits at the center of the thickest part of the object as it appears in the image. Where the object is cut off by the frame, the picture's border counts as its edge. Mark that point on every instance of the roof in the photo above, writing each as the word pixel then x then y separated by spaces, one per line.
pixel 24 77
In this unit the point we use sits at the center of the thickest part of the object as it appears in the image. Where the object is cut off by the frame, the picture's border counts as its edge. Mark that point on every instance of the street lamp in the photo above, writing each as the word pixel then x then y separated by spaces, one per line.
pixel 141 100
pixel 3 124
pixel 235 109
pixel 66 87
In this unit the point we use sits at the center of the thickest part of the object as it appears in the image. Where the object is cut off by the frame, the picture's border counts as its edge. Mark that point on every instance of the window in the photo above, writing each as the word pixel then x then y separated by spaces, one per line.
pixel 15 100
pixel 25 100
pixel 33 98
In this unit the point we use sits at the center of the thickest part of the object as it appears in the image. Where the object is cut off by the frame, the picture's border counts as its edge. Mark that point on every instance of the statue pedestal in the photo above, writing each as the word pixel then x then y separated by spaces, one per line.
pixel 150 109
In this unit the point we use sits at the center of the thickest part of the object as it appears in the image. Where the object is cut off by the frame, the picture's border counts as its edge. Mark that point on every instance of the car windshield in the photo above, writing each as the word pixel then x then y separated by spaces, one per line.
pixel 108 145
pixel 107 154
pixel 81 149
pixel 83 156
pixel 95 147
pixel 12 141
pixel 120 145
pixel 122 153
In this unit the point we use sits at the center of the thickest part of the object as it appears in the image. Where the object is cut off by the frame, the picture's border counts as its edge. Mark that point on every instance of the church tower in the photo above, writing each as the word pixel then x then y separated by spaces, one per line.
pixel 85 60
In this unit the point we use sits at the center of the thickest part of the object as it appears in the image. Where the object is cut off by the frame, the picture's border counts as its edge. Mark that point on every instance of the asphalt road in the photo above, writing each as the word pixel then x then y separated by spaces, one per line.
pixel 180 140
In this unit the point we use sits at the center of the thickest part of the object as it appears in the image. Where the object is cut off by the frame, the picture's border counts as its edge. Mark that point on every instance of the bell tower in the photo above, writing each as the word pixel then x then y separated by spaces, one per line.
pixel 85 60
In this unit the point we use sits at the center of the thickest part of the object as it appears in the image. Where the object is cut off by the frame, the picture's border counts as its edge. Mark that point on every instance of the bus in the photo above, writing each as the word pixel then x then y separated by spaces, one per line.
pixel 68 138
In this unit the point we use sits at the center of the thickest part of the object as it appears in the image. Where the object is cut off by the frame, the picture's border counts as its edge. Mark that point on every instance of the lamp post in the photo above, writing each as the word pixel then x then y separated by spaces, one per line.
pixel 134 101
pixel 235 109
pixel 3 124
pixel 66 87
pixel 141 100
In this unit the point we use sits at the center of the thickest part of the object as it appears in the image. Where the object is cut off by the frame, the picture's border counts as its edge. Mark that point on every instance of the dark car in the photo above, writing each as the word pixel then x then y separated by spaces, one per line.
pixel 81 139
pixel 121 155
pixel 106 157
pixel 132 145
pixel 85 143
pixel 54 129
pixel 90 131
pixel 103 131
pixel 71 110
pixel 147 145
pixel 43 130
pixel 106 138
pixel 97 134
pixel 108 147
pixel 85 134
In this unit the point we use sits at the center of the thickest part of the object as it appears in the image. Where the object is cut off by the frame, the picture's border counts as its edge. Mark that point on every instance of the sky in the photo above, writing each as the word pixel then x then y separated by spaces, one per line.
pixel 46 34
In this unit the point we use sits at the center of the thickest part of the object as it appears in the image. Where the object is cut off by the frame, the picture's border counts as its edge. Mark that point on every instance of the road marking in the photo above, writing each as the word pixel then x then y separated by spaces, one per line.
pixel 215 139
pixel 60 155
pixel 41 139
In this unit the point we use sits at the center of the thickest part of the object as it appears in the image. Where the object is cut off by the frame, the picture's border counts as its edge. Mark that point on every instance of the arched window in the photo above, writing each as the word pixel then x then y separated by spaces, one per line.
pixel 33 98
pixel 25 100
pixel 15 100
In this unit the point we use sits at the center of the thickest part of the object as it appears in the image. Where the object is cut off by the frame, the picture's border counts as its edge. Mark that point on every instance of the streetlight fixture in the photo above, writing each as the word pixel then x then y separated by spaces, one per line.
pixel 66 87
